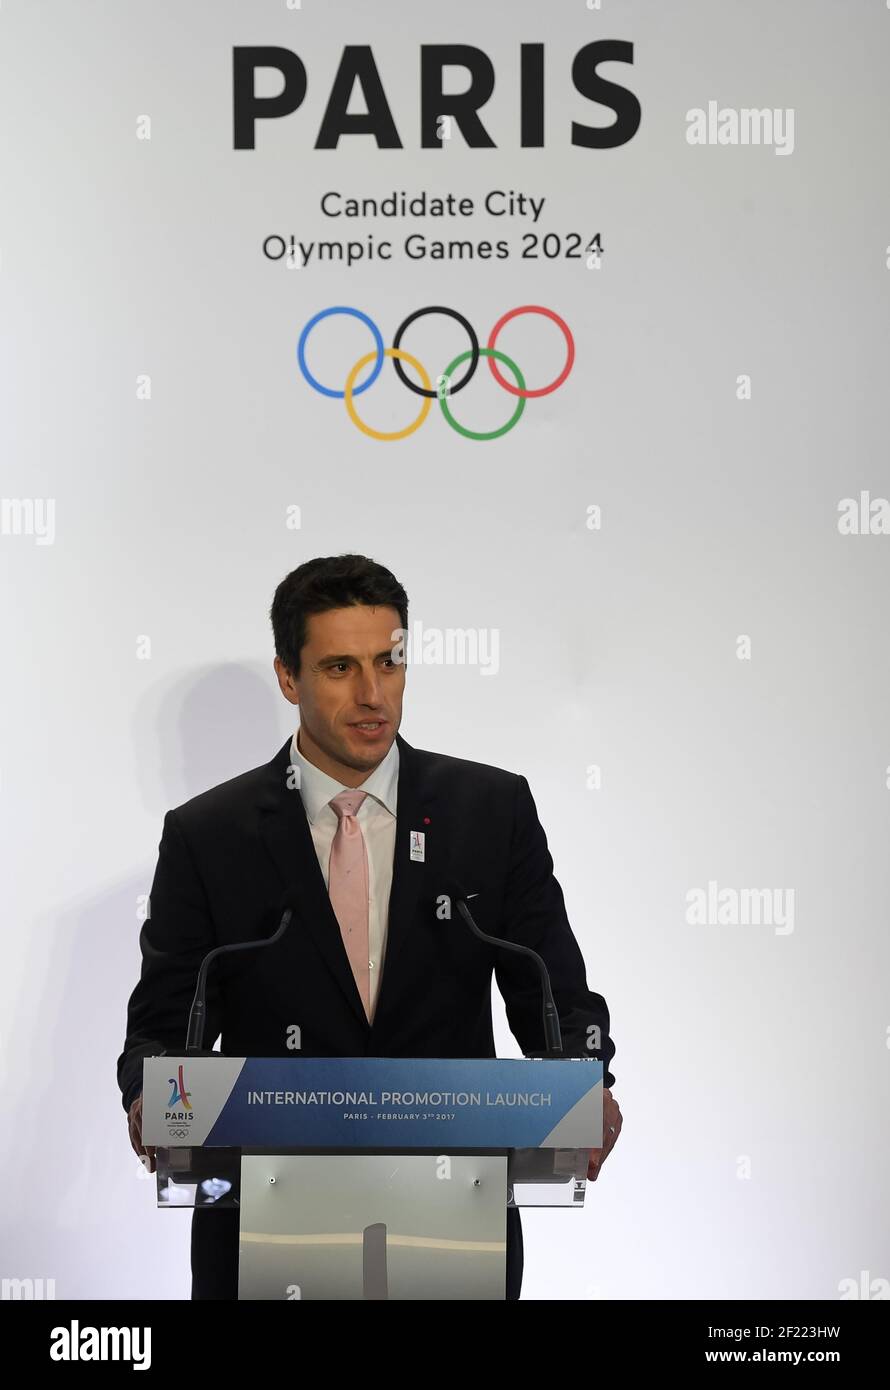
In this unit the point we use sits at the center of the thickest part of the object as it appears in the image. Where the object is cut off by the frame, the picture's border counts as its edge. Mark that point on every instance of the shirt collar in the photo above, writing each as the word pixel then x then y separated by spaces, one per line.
pixel 317 787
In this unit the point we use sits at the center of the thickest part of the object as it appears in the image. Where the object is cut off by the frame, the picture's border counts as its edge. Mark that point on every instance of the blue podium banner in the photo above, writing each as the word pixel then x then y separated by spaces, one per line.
pixel 374 1103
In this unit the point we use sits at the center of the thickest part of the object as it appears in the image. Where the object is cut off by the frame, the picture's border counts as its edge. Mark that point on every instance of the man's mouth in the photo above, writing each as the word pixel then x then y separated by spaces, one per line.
pixel 369 727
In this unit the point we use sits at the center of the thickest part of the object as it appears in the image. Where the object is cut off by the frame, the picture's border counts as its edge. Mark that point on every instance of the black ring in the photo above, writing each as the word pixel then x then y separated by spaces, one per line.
pixel 474 344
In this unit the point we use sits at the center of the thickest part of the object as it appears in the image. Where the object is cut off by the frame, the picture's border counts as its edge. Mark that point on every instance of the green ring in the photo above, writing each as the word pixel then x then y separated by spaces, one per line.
pixel 520 382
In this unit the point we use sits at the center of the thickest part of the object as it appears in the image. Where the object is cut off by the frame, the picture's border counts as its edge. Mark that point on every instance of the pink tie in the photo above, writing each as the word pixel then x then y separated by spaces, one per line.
pixel 348 888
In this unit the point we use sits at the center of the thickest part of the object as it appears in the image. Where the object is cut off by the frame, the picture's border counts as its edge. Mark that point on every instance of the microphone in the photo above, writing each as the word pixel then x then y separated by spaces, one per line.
pixel 194 1041
pixel 552 1033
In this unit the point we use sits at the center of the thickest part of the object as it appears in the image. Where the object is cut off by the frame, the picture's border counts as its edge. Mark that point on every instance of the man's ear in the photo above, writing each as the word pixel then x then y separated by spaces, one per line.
pixel 289 687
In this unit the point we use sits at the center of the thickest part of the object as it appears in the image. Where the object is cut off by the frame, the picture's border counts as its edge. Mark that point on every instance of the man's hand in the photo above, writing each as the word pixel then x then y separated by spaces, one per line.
pixel 145 1156
pixel 611 1131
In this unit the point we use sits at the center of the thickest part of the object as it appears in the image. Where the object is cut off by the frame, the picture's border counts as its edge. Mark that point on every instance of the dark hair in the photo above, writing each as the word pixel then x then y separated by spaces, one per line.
pixel 332 581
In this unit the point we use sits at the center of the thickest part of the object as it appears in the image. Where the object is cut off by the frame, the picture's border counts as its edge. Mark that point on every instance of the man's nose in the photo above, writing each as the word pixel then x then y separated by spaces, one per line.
pixel 368 692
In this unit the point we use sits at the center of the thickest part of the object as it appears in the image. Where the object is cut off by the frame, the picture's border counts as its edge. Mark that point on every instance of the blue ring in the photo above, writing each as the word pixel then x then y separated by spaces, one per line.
pixel 301 351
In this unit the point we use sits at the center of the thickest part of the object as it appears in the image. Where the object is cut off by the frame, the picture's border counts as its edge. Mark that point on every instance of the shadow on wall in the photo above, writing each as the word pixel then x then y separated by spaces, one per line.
pixel 191 733
pixel 85 1213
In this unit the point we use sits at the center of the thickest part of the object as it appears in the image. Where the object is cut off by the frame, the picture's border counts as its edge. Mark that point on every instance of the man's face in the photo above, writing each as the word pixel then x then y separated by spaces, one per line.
pixel 348 678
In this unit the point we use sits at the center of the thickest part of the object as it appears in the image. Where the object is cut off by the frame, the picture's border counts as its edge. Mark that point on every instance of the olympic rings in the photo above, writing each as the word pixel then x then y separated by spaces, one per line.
pixel 514 418
pixel 570 346
pixel 301 350
pixel 424 409
pixel 444 387
pixel 471 334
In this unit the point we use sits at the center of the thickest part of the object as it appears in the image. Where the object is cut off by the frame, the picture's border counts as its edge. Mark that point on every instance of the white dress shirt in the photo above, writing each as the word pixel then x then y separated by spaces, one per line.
pixel 377 819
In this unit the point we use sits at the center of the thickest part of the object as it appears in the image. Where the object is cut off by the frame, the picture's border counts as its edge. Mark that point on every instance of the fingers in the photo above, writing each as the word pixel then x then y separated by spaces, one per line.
pixel 147 1155
pixel 612 1121
pixel 135 1118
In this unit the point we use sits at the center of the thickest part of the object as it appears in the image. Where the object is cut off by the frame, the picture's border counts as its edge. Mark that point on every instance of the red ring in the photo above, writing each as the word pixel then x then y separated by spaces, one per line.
pixel 570 344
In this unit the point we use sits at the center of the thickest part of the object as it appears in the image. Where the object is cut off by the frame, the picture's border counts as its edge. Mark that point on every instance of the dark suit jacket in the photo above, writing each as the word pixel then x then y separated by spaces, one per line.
pixel 227 856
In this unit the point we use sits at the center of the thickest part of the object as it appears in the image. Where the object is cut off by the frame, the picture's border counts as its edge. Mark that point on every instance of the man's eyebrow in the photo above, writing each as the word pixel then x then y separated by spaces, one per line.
pixel 347 656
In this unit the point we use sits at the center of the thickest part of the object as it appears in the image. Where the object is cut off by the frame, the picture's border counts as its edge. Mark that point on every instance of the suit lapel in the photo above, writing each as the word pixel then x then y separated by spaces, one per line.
pixel 410 877
pixel 285 830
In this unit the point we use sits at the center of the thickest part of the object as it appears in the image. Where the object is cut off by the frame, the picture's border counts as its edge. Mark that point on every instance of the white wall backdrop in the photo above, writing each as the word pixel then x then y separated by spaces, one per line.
pixel 752 1063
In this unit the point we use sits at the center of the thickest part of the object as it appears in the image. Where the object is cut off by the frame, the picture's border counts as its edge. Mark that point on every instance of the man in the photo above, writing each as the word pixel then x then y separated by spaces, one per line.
pixel 365 968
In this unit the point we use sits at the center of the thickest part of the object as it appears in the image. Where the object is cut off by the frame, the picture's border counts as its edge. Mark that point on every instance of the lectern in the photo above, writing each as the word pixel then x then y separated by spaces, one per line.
pixel 372 1177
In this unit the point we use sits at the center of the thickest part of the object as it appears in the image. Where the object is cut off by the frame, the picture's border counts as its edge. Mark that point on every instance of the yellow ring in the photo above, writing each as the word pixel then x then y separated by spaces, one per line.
pixel 424 410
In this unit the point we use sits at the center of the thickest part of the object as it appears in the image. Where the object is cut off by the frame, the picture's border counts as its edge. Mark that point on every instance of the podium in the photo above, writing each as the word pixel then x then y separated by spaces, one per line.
pixel 371 1177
